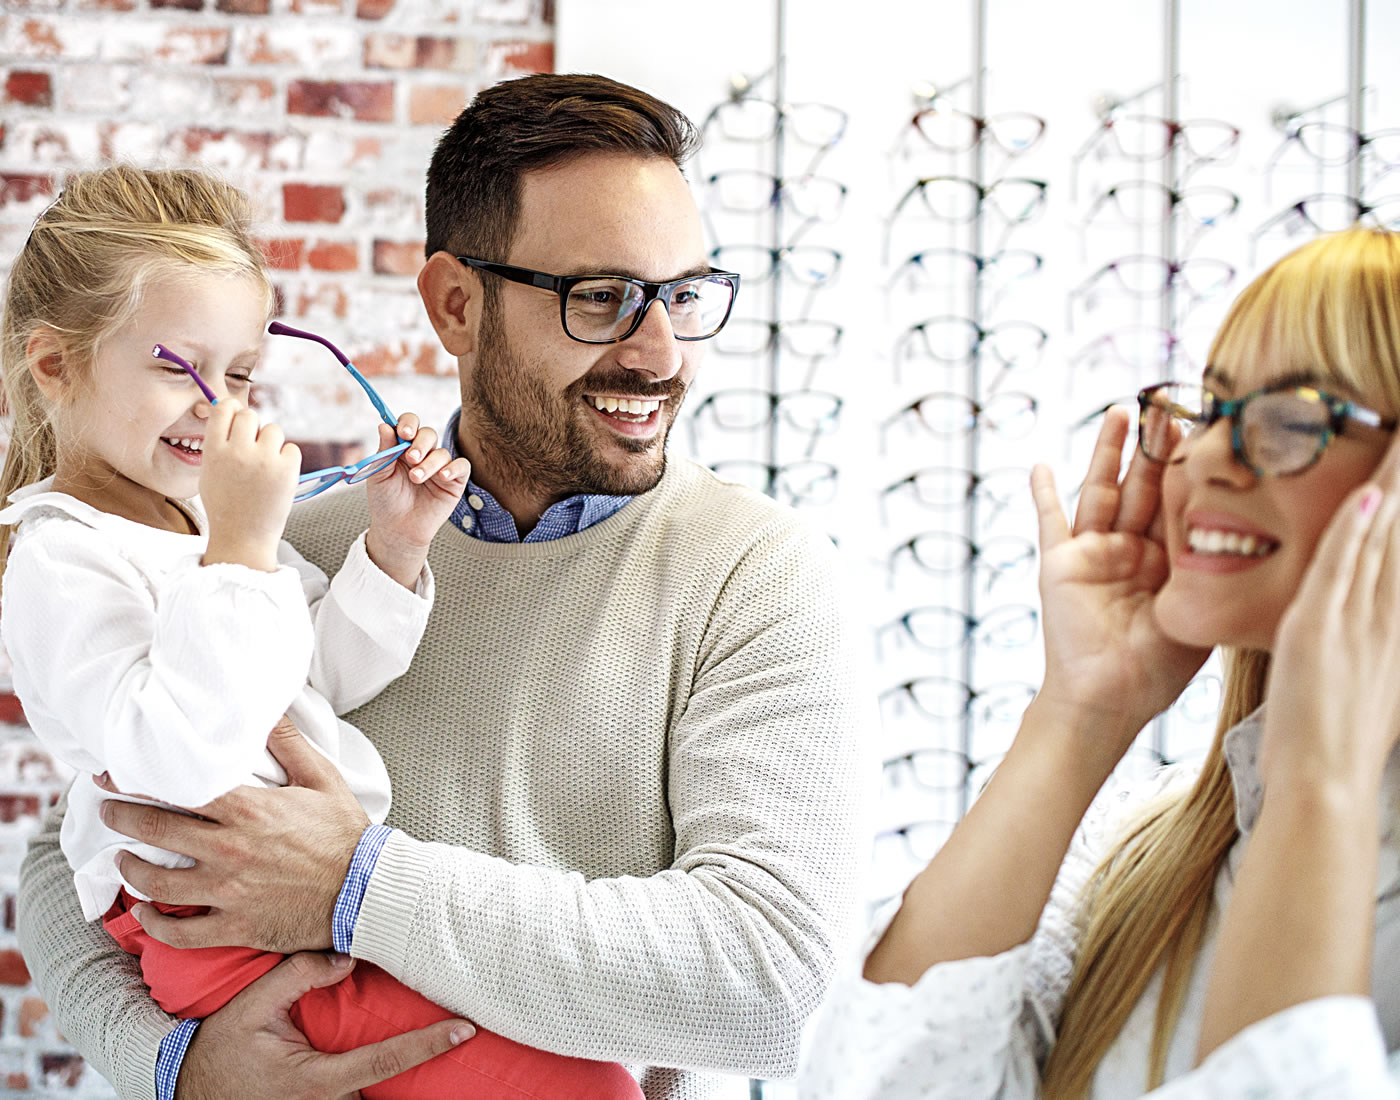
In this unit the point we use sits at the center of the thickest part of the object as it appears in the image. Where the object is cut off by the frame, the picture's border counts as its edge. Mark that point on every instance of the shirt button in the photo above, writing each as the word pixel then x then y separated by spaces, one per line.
pixel 467 522
pixel 476 502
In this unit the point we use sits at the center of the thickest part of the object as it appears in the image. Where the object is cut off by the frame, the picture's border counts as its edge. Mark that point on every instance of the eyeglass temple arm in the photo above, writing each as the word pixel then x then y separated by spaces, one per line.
pixel 277 328
pixel 160 351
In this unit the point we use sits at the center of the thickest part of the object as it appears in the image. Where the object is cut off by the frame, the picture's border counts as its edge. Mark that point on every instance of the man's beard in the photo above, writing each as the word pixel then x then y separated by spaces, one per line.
pixel 536 437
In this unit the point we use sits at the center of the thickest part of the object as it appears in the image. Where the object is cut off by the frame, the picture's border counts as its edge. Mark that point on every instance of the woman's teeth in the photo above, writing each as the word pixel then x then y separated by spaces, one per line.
pixel 1229 542
pixel 624 408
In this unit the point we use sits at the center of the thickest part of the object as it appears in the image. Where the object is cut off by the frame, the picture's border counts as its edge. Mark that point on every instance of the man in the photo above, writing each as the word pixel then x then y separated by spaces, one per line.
pixel 623 761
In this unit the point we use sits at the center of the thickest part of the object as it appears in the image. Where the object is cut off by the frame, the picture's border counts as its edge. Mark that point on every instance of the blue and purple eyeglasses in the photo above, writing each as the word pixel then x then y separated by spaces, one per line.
pixel 315 481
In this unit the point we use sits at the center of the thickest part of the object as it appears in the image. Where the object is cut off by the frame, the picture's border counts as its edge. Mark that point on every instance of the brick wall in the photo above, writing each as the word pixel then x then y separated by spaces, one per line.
pixel 327 112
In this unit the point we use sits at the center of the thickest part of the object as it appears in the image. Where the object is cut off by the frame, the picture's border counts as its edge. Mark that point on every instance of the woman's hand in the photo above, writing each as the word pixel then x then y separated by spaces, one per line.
pixel 1333 692
pixel 410 499
pixel 1108 666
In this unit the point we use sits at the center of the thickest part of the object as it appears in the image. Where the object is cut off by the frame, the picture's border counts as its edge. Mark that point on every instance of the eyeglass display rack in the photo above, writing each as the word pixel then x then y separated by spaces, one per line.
pixel 745 432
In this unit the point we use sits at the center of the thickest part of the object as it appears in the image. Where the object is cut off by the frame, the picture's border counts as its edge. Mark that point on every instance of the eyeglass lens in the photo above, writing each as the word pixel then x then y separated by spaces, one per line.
pixel 601 310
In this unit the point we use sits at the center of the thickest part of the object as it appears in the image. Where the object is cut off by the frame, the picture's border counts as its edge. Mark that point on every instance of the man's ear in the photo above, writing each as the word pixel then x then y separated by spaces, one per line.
pixel 44 356
pixel 451 294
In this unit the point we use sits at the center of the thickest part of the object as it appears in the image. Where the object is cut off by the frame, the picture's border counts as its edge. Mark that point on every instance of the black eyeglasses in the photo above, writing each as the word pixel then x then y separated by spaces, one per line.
pixel 944 553
pixel 940 699
pixel 749 192
pixel 1139 201
pixel 808 482
pixel 605 309
pixel 938 629
pixel 811 412
pixel 1143 137
pixel 804 338
pixel 1275 431
pixel 1151 276
pixel 958 199
pixel 810 265
pixel 746 118
pixel 1329 213
pixel 943 488
pixel 953 341
pixel 1333 145
pixel 1011 415
pixel 940 268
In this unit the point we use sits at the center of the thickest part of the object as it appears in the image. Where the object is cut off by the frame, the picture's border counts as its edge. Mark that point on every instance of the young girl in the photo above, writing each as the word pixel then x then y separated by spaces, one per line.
pixel 1239 934
pixel 157 634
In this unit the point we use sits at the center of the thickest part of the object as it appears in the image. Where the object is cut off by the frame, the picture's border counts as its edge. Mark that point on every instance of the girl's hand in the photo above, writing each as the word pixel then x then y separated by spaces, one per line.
pixel 247 478
pixel 1108 667
pixel 1333 693
pixel 411 498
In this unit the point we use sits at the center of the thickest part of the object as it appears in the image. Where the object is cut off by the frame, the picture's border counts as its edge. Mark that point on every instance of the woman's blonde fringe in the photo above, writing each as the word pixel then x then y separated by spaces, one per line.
pixel 1147 907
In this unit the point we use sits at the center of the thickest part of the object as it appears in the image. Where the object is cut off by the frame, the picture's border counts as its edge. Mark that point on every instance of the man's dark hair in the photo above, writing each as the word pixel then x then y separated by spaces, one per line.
pixel 519 126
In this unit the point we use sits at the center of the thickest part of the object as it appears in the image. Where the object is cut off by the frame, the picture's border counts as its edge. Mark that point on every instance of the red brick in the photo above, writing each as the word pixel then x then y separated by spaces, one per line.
pixel 183 5
pixel 397 258
pixel 317 7
pixel 284 253
pixel 401 51
pixel 393 206
pixel 528 57
pixel 32 1013
pixel 243 7
pixel 9 912
pixel 234 150
pixel 313 48
pixel 12 969
pixel 61 1069
pixel 436 104
pixel 333 256
pixel 373 9
pixel 106 5
pixel 364 101
pixel 30 89
pixel 321 299
pixel 398 358
pixel 245 95
pixel 10 710
pixel 18 189
pixel 15 806
pixel 309 202
pixel 37 38
pixel 17 1082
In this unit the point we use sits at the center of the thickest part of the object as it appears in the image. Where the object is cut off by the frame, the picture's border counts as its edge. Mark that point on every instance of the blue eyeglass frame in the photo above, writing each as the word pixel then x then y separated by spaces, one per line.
pixel 315 481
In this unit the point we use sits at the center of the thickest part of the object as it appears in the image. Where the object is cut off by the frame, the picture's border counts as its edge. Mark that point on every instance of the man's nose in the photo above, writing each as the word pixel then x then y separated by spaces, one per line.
pixel 652 349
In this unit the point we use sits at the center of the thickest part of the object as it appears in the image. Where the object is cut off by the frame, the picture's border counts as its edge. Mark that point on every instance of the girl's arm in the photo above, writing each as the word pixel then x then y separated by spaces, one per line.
pixel 1109 669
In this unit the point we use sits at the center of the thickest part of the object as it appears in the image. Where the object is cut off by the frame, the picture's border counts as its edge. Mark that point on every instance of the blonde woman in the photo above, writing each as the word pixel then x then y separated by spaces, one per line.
pixel 1235 933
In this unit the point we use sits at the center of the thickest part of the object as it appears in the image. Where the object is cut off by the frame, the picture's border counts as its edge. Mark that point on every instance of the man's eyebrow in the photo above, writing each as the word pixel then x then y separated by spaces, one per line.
pixel 633 273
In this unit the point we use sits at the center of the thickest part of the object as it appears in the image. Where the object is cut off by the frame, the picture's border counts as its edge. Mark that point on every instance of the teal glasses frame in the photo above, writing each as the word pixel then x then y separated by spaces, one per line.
pixel 316 481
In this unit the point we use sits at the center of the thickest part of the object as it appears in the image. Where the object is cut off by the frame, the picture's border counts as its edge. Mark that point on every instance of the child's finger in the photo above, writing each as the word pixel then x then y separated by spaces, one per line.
pixel 244 427
pixel 407 426
pixel 423 441
pixel 455 472
pixel 220 420
pixel 436 460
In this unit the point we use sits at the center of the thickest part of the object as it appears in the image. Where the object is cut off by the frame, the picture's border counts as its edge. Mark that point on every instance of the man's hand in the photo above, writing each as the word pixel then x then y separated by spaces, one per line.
pixel 254 1031
pixel 269 862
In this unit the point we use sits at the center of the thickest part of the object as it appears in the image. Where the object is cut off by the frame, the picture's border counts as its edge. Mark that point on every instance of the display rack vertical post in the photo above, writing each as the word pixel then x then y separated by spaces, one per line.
pixel 1356 83
pixel 776 287
pixel 974 375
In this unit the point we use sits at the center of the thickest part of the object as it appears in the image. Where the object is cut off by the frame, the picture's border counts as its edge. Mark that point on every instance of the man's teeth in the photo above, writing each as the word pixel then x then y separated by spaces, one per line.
pixel 185 444
pixel 1229 542
pixel 628 406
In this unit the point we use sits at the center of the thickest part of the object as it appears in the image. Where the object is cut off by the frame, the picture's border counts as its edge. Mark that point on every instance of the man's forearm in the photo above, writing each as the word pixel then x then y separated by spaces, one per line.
pixel 93 988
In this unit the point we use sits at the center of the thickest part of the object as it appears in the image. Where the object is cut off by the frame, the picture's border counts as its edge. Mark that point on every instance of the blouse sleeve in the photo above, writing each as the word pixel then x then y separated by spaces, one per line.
pixel 969 1028
pixel 168 683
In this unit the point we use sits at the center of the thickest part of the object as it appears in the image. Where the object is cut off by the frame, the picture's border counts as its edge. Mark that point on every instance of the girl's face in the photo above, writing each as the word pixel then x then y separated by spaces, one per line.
pixel 130 437
pixel 1228 597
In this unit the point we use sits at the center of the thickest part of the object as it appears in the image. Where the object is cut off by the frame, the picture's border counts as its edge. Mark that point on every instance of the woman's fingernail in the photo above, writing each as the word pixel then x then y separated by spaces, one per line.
pixel 1370 499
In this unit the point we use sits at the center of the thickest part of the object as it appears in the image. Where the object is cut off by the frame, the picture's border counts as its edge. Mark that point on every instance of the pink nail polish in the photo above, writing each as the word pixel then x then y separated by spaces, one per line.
pixel 1370 500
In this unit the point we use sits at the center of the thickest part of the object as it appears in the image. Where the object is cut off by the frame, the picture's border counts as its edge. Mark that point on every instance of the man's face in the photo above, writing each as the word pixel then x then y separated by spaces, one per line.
pixel 536 400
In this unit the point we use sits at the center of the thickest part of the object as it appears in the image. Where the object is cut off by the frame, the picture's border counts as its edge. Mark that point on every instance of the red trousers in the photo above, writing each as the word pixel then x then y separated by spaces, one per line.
pixel 365 1007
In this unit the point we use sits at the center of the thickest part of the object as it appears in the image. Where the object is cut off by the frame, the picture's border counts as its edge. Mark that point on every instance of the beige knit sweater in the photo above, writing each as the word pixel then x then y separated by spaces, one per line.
pixel 624 769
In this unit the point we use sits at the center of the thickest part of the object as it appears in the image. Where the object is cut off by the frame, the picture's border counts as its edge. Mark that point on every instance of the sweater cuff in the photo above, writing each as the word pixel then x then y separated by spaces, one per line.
pixel 171 1056
pixel 390 902
pixel 352 893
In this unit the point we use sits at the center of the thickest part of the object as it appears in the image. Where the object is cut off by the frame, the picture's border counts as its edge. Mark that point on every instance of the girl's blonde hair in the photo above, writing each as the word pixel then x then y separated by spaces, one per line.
pixel 82 273
pixel 1331 307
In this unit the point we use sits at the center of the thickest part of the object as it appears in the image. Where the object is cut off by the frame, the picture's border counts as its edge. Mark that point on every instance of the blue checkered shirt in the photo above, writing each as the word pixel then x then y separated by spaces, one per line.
pixel 481 516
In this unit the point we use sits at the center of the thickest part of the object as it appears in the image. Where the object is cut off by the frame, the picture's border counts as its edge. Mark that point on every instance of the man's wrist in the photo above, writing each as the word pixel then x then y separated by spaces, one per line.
pixel 352 891
pixel 171 1056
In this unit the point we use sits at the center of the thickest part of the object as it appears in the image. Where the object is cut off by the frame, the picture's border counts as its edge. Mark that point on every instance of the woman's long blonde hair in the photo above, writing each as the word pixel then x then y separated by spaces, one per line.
pixel 81 276
pixel 1333 307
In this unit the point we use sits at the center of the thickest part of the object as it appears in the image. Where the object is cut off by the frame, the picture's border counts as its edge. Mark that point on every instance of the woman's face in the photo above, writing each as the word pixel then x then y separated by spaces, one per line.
pixel 1235 594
